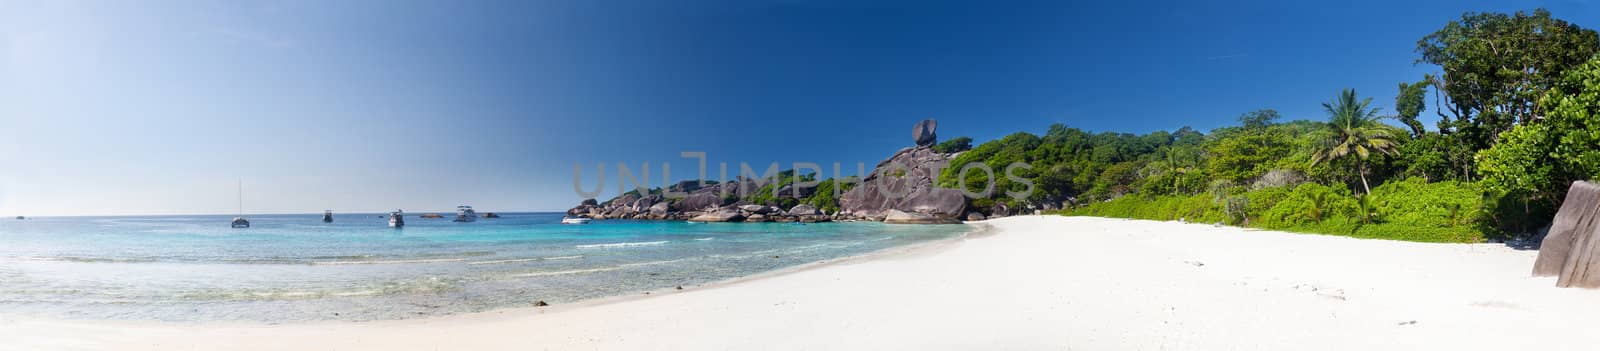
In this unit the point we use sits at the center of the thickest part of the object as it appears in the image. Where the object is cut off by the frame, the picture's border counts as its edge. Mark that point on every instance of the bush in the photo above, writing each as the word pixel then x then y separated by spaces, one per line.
pixel 1446 204
pixel 1195 208
pixel 1410 210
pixel 958 144
pixel 1309 203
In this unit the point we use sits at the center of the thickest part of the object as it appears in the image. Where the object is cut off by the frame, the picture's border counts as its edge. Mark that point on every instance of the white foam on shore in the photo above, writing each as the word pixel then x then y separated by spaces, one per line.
pixel 705 239
pixel 652 263
pixel 435 260
pixel 575 271
pixel 597 270
pixel 520 260
pixel 616 245
pixel 788 249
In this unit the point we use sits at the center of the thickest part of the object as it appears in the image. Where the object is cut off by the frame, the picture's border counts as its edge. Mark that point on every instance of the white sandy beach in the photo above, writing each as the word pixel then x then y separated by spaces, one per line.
pixel 1033 283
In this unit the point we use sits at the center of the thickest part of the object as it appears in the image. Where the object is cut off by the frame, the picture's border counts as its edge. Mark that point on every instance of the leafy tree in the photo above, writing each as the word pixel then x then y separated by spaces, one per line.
pixel 1536 162
pixel 955 145
pixel 1241 157
pixel 1410 103
pixel 1427 157
pixel 1497 65
pixel 1353 130
pixel 1259 119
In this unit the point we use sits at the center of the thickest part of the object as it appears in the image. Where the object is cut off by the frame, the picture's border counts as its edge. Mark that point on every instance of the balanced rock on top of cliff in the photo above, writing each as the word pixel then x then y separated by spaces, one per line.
pixel 905 182
pixel 923 134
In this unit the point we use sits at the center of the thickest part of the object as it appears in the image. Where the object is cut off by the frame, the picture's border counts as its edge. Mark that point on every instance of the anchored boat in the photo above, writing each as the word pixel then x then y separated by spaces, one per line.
pixel 397 219
pixel 465 213
pixel 327 216
pixel 240 222
pixel 576 220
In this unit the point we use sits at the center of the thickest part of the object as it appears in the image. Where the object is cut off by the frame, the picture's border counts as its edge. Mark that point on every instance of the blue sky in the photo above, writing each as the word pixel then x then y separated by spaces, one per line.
pixel 160 107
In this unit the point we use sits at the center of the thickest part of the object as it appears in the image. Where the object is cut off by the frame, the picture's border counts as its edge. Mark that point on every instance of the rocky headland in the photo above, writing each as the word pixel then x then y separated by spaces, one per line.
pixel 899 189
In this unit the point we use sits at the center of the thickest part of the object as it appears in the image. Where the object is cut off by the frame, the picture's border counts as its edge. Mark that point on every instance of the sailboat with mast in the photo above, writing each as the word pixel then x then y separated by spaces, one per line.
pixel 240 222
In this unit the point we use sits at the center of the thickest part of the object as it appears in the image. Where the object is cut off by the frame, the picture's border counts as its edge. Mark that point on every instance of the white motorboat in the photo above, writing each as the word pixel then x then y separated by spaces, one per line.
pixel 465 213
pixel 575 220
pixel 397 219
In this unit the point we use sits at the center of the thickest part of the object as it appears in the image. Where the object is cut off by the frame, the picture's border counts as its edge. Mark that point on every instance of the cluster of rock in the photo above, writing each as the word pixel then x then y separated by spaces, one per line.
pixel 1569 251
pixel 703 202
pixel 760 213
pixel 901 189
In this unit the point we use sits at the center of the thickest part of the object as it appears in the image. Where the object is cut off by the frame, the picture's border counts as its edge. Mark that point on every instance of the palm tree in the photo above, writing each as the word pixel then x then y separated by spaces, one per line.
pixel 1353 129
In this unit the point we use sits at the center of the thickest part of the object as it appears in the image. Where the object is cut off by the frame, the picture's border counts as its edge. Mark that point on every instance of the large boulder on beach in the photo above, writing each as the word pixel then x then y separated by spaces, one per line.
pixel 923 133
pixel 620 212
pixel 659 209
pixel 902 217
pixel 644 203
pixel 803 210
pixel 720 215
pixel 935 201
pixel 814 218
pixel 756 209
pixel 698 201
pixel 1570 248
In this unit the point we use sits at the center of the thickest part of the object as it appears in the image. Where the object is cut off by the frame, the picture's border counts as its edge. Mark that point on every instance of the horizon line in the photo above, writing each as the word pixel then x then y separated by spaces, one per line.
pixel 7 217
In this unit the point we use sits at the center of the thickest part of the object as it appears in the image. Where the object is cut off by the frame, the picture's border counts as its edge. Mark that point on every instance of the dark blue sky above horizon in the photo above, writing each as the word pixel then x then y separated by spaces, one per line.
pixel 119 108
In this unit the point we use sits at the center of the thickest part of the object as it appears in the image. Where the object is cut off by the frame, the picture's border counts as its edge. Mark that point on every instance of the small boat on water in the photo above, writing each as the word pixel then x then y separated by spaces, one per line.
pixel 431 215
pixel 397 219
pixel 21 217
pixel 327 216
pixel 576 220
pixel 465 213
pixel 491 215
pixel 240 222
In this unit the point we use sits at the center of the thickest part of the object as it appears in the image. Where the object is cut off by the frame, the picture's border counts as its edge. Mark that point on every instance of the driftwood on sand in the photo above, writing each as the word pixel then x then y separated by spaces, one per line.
pixel 1569 250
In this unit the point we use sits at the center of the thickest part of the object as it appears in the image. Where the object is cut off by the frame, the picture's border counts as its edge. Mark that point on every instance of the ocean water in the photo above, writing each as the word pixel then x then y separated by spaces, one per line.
pixel 290 268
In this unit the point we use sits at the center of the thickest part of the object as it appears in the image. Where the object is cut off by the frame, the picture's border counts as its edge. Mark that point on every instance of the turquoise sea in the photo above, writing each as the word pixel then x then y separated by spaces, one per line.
pixel 296 268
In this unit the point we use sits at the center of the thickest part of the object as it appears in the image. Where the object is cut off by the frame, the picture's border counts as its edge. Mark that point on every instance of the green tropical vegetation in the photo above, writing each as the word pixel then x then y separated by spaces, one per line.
pixel 1518 119
pixel 954 145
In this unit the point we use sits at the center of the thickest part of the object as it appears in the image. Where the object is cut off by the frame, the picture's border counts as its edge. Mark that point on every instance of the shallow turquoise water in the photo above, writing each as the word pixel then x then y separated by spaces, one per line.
pixel 296 268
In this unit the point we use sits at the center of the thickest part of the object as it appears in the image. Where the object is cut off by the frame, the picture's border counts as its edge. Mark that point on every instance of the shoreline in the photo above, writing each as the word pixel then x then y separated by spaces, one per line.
pixel 1033 282
pixel 979 230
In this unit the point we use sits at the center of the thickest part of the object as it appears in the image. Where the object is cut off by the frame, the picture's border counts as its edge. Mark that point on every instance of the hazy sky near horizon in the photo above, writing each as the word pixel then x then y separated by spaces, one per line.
pixel 158 107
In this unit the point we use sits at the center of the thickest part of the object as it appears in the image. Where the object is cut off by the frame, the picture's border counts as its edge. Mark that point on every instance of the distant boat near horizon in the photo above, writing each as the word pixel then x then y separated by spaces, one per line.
pixel 327 216
pixel 397 219
pixel 465 213
pixel 239 221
